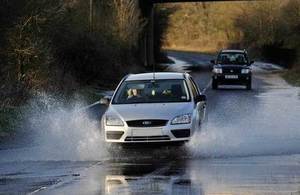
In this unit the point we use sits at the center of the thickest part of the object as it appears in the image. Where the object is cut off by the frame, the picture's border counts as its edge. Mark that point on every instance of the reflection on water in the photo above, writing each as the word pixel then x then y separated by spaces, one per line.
pixel 237 176
pixel 113 182
pixel 116 184
pixel 150 177
pixel 248 175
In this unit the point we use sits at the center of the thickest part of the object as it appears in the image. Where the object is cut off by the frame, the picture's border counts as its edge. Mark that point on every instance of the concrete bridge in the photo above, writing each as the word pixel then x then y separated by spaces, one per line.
pixel 147 43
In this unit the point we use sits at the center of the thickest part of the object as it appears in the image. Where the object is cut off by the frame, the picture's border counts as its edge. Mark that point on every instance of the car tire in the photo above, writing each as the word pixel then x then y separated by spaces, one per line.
pixel 214 84
pixel 249 85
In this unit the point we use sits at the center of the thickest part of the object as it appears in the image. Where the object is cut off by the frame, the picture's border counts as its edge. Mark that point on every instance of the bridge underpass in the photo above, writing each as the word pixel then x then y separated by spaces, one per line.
pixel 147 42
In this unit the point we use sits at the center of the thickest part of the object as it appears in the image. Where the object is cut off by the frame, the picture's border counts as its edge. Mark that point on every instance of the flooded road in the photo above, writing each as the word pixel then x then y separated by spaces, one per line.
pixel 246 175
pixel 249 145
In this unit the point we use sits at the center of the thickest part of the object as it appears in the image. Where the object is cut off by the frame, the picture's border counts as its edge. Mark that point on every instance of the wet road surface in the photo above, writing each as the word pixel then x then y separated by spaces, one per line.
pixel 249 145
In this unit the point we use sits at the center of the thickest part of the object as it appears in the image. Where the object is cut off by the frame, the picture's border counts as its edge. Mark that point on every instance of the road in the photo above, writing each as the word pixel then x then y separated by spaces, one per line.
pixel 249 145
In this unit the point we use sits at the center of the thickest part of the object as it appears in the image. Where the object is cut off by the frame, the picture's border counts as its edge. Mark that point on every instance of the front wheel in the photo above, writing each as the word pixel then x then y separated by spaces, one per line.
pixel 214 84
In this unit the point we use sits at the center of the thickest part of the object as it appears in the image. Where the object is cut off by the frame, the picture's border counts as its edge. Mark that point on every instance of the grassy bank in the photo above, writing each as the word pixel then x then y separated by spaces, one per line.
pixel 292 77
pixel 192 50
pixel 267 29
pixel 10 120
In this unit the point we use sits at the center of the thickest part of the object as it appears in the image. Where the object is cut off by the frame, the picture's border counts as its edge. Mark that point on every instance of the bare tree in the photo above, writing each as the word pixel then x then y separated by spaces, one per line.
pixel 129 23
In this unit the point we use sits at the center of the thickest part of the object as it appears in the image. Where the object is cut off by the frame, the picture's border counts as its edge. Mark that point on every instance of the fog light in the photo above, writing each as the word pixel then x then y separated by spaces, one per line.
pixel 181 133
pixel 114 134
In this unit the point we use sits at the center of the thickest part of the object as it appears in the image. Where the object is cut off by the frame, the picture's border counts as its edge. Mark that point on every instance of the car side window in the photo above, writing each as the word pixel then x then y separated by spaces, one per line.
pixel 194 87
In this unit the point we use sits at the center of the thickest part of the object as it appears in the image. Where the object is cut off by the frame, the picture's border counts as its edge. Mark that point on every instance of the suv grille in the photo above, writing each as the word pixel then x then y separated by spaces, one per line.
pixel 231 70
pixel 147 123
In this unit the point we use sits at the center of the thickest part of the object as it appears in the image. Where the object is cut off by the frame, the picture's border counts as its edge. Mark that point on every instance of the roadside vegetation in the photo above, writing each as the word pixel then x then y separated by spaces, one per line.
pixel 54 45
pixel 65 48
pixel 270 30
pixel 10 119
pixel 292 76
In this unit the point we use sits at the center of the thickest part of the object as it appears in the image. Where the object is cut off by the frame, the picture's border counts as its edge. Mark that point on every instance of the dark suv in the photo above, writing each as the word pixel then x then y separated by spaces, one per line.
pixel 232 67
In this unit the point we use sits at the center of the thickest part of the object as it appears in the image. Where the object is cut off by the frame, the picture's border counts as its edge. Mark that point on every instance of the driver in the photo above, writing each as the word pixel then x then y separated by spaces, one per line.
pixel 133 93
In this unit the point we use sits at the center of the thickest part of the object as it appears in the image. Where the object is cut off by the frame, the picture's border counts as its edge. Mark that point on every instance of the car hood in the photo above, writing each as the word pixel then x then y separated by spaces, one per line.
pixel 165 111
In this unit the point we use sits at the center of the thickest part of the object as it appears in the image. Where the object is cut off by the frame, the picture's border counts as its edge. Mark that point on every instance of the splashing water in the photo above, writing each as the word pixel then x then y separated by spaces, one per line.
pixel 64 132
pixel 269 127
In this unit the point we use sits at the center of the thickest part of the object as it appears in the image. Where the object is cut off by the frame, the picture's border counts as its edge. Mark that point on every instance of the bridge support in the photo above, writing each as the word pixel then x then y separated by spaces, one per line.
pixel 147 39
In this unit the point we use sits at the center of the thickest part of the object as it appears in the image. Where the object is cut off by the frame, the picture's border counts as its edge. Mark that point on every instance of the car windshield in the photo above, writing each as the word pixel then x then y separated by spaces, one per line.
pixel 147 91
pixel 232 58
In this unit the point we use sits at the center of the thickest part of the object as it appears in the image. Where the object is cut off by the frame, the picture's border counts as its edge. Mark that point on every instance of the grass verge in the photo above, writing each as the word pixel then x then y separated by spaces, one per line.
pixel 292 76
pixel 211 52
pixel 10 120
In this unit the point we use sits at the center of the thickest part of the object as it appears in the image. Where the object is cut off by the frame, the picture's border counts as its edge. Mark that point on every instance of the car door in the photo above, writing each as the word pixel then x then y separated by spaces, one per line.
pixel 201 106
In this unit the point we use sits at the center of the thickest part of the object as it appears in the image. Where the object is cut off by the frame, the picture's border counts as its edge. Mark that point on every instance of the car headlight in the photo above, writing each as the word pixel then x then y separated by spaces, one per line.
pixel 245 71
pixel 111 120
pixel 182 119
pixel 217 70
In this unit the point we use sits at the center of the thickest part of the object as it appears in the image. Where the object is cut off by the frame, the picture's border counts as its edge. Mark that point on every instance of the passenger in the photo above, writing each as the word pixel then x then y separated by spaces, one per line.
pixel 167 92
pixel 176 91
pixel 240 59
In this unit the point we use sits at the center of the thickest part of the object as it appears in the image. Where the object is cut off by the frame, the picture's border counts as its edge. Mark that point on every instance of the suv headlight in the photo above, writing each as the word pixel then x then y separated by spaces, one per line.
pixel 111 120
pixel 245 71
pixel 182 119
pixel 217 70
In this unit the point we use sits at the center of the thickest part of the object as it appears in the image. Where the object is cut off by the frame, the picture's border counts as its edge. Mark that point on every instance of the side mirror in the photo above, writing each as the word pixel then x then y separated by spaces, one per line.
pixel 213 61
pixel 105 100
pixel 200 98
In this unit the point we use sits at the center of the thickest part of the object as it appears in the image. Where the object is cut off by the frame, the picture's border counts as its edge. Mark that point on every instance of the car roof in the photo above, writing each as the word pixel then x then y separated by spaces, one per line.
pixel 158 76
pixel 233 51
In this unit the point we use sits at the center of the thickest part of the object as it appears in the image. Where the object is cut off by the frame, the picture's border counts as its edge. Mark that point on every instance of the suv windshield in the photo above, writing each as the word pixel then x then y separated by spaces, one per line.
pixel 132 92
pixel 232 58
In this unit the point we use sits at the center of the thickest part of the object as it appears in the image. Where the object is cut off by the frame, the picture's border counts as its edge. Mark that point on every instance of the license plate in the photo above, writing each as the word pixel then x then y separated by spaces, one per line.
pixel 231 76
pixel 147 132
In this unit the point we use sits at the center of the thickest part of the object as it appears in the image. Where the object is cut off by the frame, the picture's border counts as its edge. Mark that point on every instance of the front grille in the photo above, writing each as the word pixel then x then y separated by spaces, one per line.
pixel 181 133
pixel 231 70
pixel 147 123
pixel 114 134
pixel 148 138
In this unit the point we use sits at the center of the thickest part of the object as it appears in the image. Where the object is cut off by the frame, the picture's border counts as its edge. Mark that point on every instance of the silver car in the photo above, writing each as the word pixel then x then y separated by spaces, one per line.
pixel 154 107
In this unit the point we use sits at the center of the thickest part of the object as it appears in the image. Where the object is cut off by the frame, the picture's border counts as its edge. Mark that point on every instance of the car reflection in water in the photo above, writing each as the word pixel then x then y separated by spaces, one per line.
pixel 151 177
pixel 119 184
pixel 236 175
